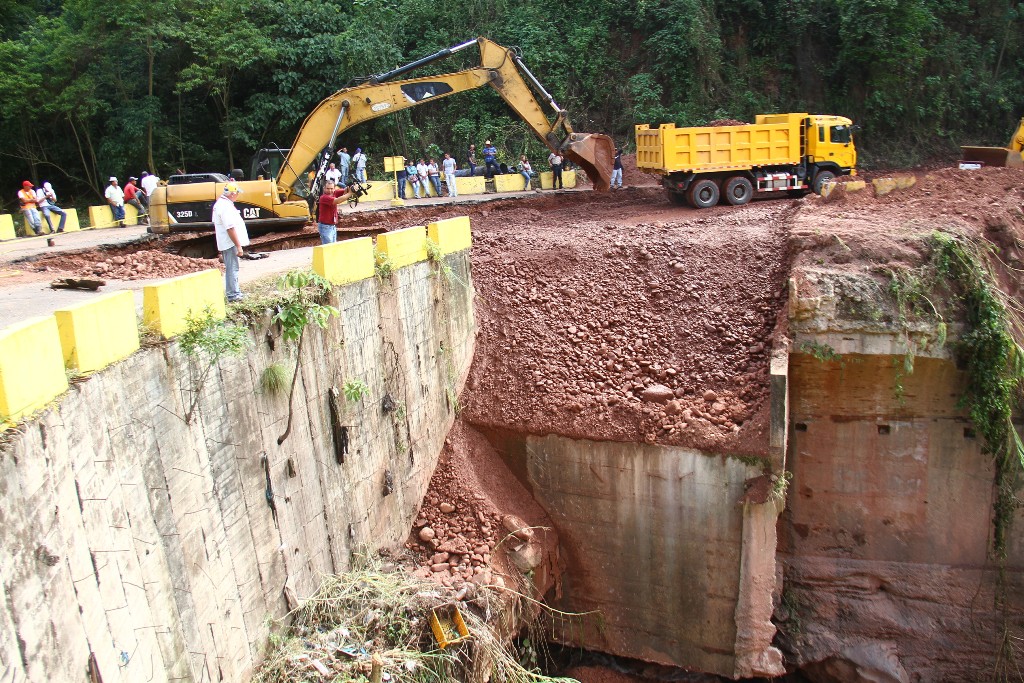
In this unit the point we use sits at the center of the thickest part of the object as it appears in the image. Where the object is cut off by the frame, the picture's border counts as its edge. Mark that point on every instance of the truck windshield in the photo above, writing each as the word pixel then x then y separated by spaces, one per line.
pixel 840 135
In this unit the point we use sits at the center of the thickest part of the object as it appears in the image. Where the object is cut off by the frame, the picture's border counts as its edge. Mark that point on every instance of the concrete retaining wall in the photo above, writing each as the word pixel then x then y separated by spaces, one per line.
pixel 886 541
pixel 658 549
pixel 143 548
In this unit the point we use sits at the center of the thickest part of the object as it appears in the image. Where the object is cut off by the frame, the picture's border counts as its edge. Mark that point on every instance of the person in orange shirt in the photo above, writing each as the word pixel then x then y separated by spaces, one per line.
pixel 29 207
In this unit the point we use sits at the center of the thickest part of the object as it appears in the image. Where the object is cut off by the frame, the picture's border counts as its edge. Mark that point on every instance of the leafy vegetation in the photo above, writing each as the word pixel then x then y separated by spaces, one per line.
pixel 355 390
pixel 207 338
pixel 303 294
pixel 94 88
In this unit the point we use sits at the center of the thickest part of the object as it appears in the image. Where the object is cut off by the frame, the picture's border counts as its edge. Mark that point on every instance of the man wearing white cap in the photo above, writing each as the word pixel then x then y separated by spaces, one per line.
pixel 115 197
pixel 231 237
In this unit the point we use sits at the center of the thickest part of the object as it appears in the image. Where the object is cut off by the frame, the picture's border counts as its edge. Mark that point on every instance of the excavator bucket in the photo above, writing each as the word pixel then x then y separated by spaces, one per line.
pixel 593 153
pixel 993 156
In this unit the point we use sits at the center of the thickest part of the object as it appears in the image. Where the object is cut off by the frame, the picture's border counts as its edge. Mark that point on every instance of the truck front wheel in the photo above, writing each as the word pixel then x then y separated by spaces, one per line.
pixel 738 190
pixel 822 178
pixel 703 193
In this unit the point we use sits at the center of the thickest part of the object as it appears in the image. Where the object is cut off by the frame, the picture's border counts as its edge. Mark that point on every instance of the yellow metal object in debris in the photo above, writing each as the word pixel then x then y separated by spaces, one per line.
pixel 448 626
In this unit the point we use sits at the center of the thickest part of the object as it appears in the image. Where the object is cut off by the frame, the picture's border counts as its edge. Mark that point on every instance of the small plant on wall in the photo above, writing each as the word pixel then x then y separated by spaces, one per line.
pixel 206 337
pixel 304 294
pixel 355 390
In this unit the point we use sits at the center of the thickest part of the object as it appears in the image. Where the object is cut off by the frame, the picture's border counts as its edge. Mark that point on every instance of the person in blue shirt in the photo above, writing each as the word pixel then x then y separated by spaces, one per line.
pixel 344 161
pixel 490 159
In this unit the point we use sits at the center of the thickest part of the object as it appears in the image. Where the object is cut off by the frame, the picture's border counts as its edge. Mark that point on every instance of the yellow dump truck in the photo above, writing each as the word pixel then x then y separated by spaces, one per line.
pixel 792 153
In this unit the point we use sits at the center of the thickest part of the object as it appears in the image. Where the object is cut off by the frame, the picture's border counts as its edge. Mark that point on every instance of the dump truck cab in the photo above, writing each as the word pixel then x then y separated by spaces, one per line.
pixel 830 143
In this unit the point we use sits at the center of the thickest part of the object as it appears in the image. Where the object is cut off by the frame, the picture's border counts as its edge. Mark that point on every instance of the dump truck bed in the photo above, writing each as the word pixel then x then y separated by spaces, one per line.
pixel 773 140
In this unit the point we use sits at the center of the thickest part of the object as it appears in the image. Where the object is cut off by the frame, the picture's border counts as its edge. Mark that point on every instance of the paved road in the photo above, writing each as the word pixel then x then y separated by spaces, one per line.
pixel 26 294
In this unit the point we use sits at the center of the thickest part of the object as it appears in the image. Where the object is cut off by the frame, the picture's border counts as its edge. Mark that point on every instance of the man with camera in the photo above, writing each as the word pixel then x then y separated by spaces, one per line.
pixel 327 211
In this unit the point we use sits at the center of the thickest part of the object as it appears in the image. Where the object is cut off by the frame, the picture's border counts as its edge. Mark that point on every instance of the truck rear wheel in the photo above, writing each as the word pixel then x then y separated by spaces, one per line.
pixel 676 198
pixel 703 193
pixel 738 190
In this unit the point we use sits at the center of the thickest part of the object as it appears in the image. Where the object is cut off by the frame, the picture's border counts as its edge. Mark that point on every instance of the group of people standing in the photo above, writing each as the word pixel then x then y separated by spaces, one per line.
pixel 426 175
pixel 349 166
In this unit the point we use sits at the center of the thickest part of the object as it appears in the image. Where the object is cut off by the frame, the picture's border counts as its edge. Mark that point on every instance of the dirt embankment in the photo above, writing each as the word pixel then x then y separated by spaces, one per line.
pixel 627 320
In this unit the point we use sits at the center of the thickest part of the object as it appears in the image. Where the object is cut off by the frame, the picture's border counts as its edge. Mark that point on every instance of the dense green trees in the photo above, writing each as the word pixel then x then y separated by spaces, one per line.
pixel 92 88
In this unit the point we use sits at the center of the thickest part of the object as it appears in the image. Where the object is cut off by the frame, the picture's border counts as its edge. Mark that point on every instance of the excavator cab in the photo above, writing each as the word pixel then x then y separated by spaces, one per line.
pixel 267 162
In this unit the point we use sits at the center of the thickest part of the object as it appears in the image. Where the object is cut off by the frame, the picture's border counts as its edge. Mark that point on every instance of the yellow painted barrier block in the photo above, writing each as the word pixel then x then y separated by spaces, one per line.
pixel 547 179
pixel 101 217
pixel 905 182
pixel 471 184
pixel 70 223
pixel 166 306
pixel 451 234
pixel 7 227
pixel 509 183
pixel 95 333
pixel 883 186
pixel 345 261
pixel 829 188
pixel 379 192
pixel 404 247
pixel 855 185
pixel 27 387
pixel 131 215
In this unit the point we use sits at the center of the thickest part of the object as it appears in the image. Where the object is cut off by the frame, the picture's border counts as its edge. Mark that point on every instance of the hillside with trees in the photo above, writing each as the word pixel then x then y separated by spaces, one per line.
pixel 93 88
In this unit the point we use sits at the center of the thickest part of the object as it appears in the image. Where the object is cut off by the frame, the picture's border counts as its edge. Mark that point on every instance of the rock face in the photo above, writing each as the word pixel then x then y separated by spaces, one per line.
pixel 885 545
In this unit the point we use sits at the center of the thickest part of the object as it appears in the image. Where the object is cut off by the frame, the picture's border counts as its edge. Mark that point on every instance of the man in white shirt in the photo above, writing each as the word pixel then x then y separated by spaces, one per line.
pixel 148 183
pixel 115 197
pixel 232 237
pixel 421 171
pixel 46 198
pixel 449 166
pixel 333 175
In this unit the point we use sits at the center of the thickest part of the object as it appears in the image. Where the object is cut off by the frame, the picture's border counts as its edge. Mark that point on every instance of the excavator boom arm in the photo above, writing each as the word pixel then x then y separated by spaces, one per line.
pixel 499 67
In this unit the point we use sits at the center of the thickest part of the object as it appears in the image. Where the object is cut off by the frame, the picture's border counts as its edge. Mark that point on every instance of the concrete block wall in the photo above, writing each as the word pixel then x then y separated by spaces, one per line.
pixel 162 551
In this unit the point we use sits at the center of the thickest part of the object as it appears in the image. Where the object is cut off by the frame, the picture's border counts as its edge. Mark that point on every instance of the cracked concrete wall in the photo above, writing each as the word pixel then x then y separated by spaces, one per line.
pixel 147 549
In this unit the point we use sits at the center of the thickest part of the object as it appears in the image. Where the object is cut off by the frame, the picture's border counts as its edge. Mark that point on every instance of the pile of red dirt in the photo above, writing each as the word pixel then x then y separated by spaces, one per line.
pixel 477 524
pixel 606 318
pixel 123 263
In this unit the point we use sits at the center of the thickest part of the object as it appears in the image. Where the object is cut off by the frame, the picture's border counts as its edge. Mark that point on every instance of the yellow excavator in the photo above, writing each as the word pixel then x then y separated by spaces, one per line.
pixel 284 194
pixel 999 156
